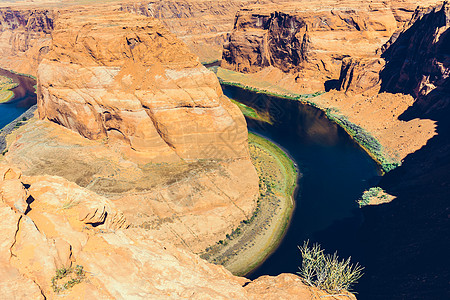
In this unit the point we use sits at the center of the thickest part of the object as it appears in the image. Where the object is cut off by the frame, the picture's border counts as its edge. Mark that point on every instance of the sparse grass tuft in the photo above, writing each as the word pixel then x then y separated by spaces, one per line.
pixel 66 278
pixel 327 272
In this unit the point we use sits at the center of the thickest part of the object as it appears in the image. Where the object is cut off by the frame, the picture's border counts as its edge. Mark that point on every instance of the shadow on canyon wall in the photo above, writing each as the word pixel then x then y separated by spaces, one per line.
pixel 408 239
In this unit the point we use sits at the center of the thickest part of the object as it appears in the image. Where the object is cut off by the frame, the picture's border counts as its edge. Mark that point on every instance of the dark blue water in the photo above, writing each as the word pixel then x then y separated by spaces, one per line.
pixel 24 98
pixel 334 173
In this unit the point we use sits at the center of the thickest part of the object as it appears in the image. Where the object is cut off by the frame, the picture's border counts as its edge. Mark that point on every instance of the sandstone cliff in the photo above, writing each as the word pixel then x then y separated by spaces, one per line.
pixel 417 63
pixel 309 44
pixel 159 137
pixel 202 24
pixel 50 224
pixel 413 61
pixel 24 38
pixel 127 78
pixel 418 59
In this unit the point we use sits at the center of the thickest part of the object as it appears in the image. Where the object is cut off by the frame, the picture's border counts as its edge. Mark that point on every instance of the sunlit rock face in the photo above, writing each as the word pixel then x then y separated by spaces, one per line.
pixel 299 38
pixel 124 77
pixel 25 36
pixel 414 61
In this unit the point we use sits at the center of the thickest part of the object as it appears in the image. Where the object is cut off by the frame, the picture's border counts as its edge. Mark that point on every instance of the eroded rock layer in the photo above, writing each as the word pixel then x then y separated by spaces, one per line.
pixel 202 24
pixel 25 36
pixel 50 224
pixel 418 59
pixel 123 77
pixel 310 43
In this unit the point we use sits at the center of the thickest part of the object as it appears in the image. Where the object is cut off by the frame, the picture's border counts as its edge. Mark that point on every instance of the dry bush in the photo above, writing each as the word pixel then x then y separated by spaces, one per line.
pixel 327 272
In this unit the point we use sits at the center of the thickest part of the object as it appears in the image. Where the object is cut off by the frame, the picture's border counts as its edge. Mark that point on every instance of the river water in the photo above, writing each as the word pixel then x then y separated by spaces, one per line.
pixel 334 173
pixel 24 98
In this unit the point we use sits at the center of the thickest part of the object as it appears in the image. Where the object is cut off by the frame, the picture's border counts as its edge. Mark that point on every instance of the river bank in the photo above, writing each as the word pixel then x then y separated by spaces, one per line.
pixel 364 138
pixel 16 123
pixel 374 122
pixel 249 244
pixel 6 86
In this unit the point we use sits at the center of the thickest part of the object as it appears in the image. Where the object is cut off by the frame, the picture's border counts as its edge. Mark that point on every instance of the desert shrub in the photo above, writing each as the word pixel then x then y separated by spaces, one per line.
pixel 66 278
pixel 327 272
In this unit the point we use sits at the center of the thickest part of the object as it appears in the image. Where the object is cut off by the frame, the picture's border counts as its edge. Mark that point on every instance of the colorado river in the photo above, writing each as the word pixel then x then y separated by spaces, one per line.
pixel 335 171
pixel 24 98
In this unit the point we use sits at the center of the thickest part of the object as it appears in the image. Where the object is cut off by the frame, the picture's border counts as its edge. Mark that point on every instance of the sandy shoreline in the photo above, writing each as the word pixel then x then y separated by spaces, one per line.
pixel 6 86
pixel 248 246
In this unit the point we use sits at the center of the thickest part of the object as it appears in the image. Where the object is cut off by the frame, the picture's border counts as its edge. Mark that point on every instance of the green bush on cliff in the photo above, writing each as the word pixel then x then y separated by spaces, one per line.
pixel 327 272
pixel 66 278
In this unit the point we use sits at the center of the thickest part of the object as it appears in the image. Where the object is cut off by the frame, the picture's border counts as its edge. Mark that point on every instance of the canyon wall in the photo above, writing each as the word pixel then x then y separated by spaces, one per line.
pixel 418 59
pixel 202 24
pixel 309 44
pixel 25 37
pixel 413 61
pixel 124 77
pixel 50 224
pixel 409 233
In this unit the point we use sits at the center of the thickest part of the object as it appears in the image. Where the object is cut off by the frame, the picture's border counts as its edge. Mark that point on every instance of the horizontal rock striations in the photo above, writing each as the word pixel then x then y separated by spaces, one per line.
pixel 118 262
pixel 202 24
pixel 124 77
pixel 25 36
pixel 414 61
pixel 418 59
pixel 298 39
pixel 259 41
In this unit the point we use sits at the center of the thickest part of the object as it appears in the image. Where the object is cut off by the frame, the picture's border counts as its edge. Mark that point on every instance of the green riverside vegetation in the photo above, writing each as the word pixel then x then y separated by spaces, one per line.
pixel 252 113
pixel 366 141
pixel 277 181
pixel 6 85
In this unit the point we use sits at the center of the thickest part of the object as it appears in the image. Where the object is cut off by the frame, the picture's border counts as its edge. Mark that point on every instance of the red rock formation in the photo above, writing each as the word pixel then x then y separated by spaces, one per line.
pixel 259 41
pixel 418 59
pixel 202 24
pixel 414 61
pixel 125 77
pixel 297 39
pixel 412 228
pixel 24 38
pixel 360 75
pixel 119 262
